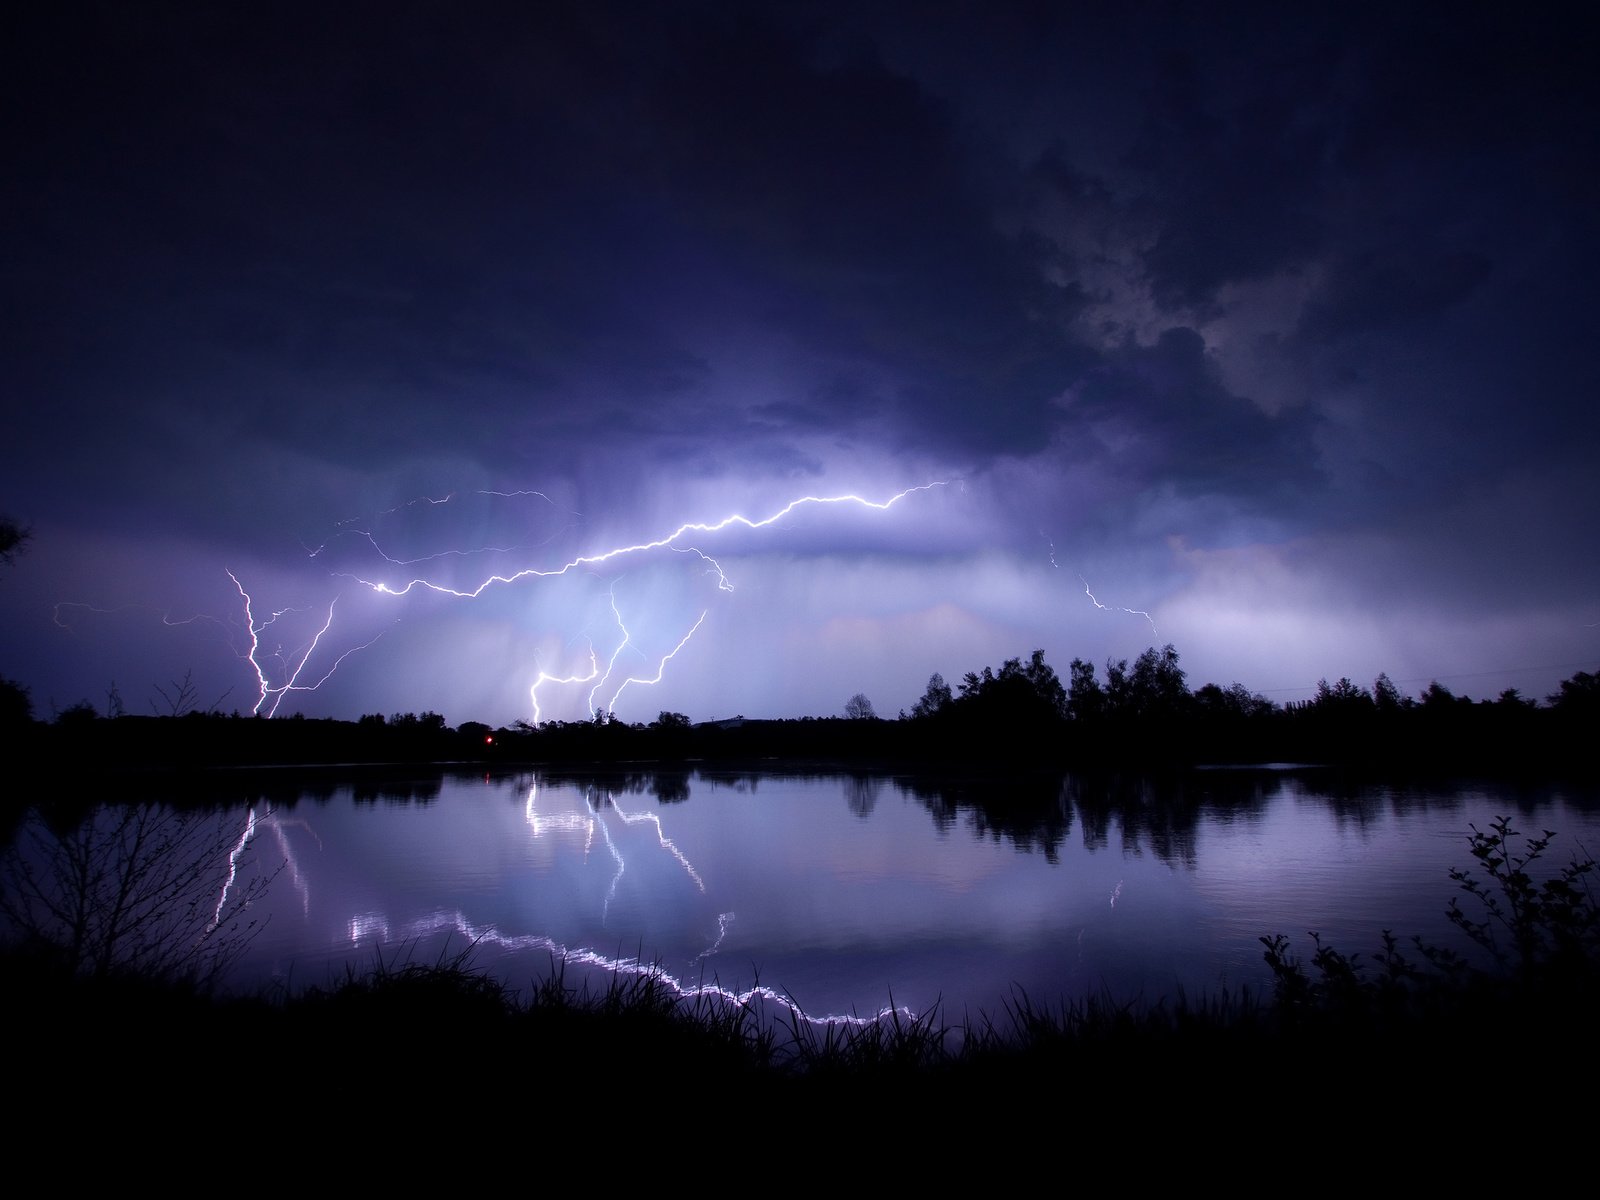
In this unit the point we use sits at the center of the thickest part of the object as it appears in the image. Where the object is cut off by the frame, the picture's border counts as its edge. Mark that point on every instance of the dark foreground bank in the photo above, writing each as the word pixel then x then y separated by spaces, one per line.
pixel 1403 1059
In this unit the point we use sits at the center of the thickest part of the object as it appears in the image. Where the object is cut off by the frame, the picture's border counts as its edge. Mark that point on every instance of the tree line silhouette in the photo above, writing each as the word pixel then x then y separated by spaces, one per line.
pixel 1138 714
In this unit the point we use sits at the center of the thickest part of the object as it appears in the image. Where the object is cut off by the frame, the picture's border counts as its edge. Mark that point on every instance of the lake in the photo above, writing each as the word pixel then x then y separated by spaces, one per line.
pixel 842 894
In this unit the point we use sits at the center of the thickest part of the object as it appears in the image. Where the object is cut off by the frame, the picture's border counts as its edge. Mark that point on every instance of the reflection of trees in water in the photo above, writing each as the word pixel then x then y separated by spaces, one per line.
pixel 1361 801
pixel 1155 813
pixel 671 787
pixel 409 791
pixel 1032 812
pixel 1161 813
pixel 861 793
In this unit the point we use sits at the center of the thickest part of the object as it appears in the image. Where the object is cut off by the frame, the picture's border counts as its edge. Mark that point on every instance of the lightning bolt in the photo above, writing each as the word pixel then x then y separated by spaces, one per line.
pixel 661 668
pixel 1132 612
pixel 296 662
pixel 667 541
pixel 278 672
pixel 595 675
pixel 348 526
pixel 545 677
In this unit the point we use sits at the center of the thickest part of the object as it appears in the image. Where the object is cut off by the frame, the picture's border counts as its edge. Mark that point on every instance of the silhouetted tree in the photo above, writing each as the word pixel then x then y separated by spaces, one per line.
pixel 134 887
pixel 1155 688
pixel 1234 702
pixel 859 708
pixel 427 722
pixel 1342 697
pixel 1436 698
pixel 1021 698
pixel 1046 684
pixel 181 698
pixel 1085 700
pixel 1386 696
pixel 1580 694
pixel 76 716
pixel 16 706
pixel 1117 689
pixel 935 699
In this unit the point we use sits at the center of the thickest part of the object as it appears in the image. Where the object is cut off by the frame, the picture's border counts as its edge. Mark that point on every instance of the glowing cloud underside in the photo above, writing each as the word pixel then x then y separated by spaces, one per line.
pixel 279 671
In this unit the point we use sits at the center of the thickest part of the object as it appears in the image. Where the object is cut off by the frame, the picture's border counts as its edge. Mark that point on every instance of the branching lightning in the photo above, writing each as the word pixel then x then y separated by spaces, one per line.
pixel 304 666
pixel 669 541
pixel 596 676
pixel 661 667
pixel 348 526
pixel 294 664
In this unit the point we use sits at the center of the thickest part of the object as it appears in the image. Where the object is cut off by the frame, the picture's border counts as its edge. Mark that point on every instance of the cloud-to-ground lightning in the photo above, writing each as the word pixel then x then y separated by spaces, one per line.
pixel 649 680
pixel 306 664
pixel 601 678
pixel 294 663
pixel 673 541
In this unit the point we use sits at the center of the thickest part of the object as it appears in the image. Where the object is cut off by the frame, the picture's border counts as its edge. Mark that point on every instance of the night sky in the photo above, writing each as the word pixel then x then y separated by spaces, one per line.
pixel 1263 330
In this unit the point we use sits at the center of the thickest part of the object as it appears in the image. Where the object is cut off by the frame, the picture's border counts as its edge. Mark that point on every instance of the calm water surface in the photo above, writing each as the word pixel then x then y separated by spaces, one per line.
pixel 841 893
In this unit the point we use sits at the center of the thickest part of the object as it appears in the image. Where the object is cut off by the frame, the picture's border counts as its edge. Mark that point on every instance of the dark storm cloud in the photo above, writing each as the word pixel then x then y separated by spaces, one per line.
pixel 1160 414
pixel 1229 181
pixel 363 229
pixel 503 216
pixel 1148 274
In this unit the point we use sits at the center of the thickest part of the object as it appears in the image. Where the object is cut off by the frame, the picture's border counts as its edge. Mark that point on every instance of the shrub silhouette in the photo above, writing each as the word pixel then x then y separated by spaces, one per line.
pixel 133 890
